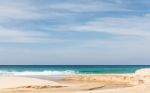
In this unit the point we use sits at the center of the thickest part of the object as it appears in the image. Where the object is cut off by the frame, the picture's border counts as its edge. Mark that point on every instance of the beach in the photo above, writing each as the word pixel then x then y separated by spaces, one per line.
pixel 74 46
pixel 137 82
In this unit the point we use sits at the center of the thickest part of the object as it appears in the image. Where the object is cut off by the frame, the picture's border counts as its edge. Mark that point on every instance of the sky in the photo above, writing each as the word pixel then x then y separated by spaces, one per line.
pixel 75 32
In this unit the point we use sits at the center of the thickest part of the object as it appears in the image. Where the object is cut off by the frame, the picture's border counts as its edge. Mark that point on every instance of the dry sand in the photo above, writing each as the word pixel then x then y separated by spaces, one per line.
pixel 110 83
pixel 15 82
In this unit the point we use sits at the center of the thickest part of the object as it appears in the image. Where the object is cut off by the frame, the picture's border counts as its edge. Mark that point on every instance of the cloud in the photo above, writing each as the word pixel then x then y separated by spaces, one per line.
pixel 87 6
pixel 17 10
pixel 49 26
pixel 15 35
pixel 133 25
pixel 26 10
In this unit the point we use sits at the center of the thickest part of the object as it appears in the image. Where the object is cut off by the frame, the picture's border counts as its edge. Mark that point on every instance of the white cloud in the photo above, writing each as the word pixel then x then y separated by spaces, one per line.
pixel 137 26
pixel 116 49
pixel 8 35
pixel 5 32
pixel 15 35
pixel 25 10
pixel 17 10
pixel 88 6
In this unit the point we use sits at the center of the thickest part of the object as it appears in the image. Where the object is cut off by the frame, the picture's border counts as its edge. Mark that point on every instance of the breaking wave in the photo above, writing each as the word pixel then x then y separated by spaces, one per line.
pixel 32 73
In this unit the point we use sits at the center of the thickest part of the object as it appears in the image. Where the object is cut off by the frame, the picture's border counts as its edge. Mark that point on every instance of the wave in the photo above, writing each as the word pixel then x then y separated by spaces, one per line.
pixel 32 73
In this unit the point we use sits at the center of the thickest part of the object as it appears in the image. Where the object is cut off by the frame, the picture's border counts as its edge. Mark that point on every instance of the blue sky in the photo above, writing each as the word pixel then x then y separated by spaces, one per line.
pixel 75 32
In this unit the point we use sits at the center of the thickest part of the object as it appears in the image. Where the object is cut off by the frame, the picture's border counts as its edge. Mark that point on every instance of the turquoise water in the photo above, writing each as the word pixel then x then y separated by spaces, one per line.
pixel 52 70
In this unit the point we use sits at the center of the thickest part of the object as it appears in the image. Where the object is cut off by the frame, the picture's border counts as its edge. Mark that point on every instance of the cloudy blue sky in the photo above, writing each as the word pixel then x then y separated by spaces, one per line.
pixel 75 32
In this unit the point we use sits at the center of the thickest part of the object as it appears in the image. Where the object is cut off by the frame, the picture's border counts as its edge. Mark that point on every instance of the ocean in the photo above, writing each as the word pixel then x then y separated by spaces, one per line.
pixel 63 70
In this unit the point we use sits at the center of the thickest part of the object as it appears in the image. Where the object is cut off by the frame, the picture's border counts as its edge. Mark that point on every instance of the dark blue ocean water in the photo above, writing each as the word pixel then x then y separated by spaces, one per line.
pixel 67 69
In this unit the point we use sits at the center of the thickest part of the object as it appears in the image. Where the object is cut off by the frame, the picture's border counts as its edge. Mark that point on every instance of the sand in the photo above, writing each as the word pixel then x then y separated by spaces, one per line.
pixel 14 82
pixel 110 83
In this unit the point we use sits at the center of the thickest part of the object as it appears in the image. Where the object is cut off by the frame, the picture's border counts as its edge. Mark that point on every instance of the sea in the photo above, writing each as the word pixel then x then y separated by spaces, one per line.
pixel 66 70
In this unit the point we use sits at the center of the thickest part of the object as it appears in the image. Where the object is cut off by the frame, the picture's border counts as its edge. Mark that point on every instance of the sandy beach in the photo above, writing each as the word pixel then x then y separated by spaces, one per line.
pixel 102 83
pixel 74 46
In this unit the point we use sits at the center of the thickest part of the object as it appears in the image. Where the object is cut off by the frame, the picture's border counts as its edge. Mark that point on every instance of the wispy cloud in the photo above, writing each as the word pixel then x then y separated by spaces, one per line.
pixel 20 36
pixel 83 30
pixel 88 6
pixel 16 10
pixel 134 25
pixel 25 10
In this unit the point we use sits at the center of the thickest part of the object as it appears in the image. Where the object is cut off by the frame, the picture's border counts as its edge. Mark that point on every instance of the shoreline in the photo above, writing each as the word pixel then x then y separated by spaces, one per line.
pixel 85 83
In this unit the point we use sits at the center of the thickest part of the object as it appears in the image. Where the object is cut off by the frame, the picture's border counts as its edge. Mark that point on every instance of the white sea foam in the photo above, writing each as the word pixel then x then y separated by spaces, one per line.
pixel 32 73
